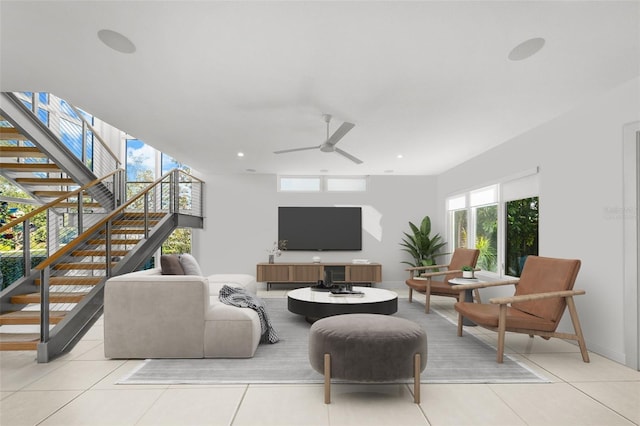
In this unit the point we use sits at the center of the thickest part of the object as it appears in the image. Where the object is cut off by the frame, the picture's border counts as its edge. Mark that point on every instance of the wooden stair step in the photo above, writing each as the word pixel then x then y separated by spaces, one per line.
pixel 125 231
pixel 82 265
pixel 11 134
pixel 98 253
pixel 114 242
pixel 56 194
pixel 30 167
pixel 134 222
pixel 138 215
pixel 19 341
pixel 45 181
pixel 21 151
pixel 72 280
pixel 54 297
pixel 29 317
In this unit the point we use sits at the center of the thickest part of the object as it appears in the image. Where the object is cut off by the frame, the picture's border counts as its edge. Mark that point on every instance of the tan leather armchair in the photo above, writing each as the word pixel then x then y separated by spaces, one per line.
pixel 422 282
pixel 544 290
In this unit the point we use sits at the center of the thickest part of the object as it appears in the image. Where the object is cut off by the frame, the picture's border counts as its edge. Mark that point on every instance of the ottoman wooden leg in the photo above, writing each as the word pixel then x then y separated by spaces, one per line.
pixel 327 378
pixel 416 378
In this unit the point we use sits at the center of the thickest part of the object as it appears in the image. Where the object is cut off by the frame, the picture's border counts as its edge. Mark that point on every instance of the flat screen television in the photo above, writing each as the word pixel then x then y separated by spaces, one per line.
pixel 320 228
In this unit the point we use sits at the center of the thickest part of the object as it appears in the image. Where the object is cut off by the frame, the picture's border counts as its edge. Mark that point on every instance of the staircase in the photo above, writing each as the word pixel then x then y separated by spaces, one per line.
pixel 38 155
pixel 92 233
pixel 63 294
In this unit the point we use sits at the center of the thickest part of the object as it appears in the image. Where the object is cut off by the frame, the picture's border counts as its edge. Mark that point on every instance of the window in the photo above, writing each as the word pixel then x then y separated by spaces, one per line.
pixel 521 233
pixel 322 184
pixel 500 220
pixel 145 164
pixel 299 184
pixel 346 184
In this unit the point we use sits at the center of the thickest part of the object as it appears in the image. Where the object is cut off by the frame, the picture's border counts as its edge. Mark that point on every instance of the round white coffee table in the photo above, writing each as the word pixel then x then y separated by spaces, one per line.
pixel 320 304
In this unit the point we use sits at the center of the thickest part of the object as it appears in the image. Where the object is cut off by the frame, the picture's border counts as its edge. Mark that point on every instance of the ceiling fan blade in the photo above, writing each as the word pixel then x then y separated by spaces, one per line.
pixel 349 156
pixel 339 134
pixel 296 149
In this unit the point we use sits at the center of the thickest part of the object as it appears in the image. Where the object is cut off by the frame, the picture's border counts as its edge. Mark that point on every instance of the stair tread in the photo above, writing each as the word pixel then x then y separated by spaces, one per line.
pixel 19 341
pixel 73 280
pixel 125 231
pixel 11 133
pixel 101 242
pixel 20 151
pixel 82 265
pixel 54 297
pixel 29 317
pixel 44 181
pixel 56 192
pixel 31 167
pixel 129 215
pixel 99 252
pixel 134 222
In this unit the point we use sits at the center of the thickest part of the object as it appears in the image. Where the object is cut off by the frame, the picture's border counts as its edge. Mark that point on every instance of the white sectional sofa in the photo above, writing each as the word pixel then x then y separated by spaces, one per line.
pixel 150 315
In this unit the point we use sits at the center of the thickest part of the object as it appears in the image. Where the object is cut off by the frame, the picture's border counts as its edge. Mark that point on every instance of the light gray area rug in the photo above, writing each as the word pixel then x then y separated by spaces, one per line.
pixel 451 359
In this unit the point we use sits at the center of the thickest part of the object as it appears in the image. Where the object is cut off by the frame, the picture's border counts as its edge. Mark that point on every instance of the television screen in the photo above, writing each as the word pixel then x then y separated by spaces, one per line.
pixel 320 228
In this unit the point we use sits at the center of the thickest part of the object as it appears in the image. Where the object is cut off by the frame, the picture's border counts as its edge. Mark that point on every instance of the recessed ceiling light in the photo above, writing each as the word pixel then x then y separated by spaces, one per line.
pixel 399 156
pixel 116 41
pixel 526 49
pixel 240 154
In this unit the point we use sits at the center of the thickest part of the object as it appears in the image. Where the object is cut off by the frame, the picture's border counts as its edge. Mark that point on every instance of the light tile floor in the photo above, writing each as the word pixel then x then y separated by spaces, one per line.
pixel 79 389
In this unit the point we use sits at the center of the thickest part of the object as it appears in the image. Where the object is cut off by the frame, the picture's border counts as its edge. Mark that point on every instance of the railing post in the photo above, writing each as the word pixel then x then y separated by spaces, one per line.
pixel 175 190
pixel 80 212
pixel 107 247
pixel 84 141
pixel 44 305
pixel 123 186
pixel 26 246
pixel 146 215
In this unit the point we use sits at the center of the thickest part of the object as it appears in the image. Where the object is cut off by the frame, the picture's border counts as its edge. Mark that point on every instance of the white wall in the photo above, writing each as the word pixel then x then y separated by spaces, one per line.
pixel 241 221
pixel 580 159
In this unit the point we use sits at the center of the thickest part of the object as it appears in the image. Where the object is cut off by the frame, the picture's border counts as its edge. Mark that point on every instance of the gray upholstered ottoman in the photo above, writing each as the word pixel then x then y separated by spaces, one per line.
pixel 367 348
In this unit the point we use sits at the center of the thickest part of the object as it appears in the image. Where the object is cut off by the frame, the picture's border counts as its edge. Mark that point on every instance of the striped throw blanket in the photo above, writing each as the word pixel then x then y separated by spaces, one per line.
pixel 243 299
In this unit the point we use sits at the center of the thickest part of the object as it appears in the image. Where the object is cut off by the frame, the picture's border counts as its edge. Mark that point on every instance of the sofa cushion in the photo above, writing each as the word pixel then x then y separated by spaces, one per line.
pixel 170 265
pixel 189 264
pixel 217 281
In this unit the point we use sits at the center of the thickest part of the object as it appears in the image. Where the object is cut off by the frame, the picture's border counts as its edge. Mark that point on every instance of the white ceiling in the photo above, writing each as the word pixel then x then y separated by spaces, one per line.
pixel 428 80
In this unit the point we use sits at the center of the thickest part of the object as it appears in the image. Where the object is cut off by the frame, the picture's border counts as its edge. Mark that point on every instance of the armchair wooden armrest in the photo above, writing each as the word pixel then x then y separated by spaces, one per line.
pixel 473 286
pixel 537 296
pixel 417 268
pixel 413 269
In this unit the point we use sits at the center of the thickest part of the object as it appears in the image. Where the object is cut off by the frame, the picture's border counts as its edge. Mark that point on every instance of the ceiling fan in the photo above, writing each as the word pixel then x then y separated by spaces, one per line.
pixel 329 145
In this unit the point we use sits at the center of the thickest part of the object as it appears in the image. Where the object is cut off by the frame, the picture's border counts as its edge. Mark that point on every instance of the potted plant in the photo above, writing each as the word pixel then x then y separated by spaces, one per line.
pixel 467 271
pixel 422 247
pixel 277 249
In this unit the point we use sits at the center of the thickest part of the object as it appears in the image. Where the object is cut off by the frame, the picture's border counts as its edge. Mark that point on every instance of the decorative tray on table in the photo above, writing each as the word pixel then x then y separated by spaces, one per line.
pixel 345 292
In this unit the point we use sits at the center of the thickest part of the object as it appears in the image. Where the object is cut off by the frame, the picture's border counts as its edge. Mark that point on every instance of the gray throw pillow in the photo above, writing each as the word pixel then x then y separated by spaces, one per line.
pixel 170 265
pixel 189 264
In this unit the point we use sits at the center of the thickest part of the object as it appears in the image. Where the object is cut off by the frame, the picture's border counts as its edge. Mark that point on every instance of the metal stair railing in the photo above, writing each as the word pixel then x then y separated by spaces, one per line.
pixel 66 217
pixel 62 132
pixel 156 211
pixel 73 127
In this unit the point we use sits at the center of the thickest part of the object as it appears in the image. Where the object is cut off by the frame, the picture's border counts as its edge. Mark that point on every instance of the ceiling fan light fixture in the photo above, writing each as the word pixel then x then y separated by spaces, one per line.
pixel 526 49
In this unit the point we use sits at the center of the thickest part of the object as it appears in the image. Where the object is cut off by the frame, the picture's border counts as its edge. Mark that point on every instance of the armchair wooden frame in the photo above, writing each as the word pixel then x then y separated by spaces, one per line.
pixel 504 304
pixel 427 276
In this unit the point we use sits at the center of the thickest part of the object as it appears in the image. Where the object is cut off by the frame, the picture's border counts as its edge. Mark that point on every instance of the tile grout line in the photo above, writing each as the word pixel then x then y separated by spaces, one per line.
pixel 237 410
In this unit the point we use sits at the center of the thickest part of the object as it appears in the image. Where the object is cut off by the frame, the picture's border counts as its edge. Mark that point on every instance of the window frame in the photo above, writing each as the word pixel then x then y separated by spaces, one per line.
pixel 529 180
pixel 323 183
